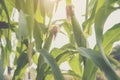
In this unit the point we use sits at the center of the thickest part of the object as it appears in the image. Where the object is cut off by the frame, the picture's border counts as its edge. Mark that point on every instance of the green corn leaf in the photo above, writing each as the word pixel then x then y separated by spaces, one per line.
pixel 26 7
pixel 105 11
pixel 41 68
pixel 100 21
pixel 87 25
pixel 2 2
pixel 63 54
pixel 10 4
pixel 40 12
pixel 108 40
pixel 30 19
pixel 55 52
pixel 5 56
pixel 52 63
pixel 48 42
pixel 75 64
pixel 37 35
pixel 91 5
pixel 89 71
pixel 35 58
pixel 78 34
pixel 1 69
pixel 29 4
pixel 68 28
pixel 8 44
pixel 68 1
pixel 100 4
pixel 60 55
pixel 38 16
pixel 21 63
pixel 41 62
pixel 99 62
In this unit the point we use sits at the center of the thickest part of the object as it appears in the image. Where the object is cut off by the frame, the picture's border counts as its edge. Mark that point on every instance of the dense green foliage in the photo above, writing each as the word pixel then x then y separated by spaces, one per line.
pixel 35 31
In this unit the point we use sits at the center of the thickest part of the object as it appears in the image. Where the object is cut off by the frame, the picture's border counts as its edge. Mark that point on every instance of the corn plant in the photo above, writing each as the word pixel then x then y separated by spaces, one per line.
pixel 35 31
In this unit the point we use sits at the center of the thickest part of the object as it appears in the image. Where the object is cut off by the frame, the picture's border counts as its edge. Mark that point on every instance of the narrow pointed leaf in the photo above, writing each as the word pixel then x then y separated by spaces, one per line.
pixel 105 11
pixel 30 19
pixel 21 63
pixel 55 69
pixel 87 25
pixel 78 34
pixel 37 35
pixel 2 2
pixel 89 71
pixel 48 42
pixel 100 21
pixel 41 68
pixel 111 36
pixel 63 54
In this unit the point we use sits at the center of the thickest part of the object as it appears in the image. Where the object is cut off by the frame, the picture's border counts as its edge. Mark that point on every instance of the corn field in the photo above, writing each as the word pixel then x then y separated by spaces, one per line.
pixel 28 30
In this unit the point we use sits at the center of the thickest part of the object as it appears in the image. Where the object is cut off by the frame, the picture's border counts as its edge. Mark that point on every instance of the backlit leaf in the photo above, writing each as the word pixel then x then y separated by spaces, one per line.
pixel 111 36
pixel 75 64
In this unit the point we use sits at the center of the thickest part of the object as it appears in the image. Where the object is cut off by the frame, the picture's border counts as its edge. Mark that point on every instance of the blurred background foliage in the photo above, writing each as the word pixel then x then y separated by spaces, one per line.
pixel 27 30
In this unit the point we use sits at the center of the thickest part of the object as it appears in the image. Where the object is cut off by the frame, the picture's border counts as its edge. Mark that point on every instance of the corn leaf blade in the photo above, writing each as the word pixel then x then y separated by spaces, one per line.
pixel 108 40
pixel 99 62
pixel 53 64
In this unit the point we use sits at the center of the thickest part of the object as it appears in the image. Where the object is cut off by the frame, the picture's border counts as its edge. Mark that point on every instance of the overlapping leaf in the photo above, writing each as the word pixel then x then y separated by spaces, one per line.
pixel 90 71
pixel 75 64
pixel 38 35
pixel 52 63
pixel 99 62
pixel 78 34
pixel 111 36
pixel 21 63
pixel 105 11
